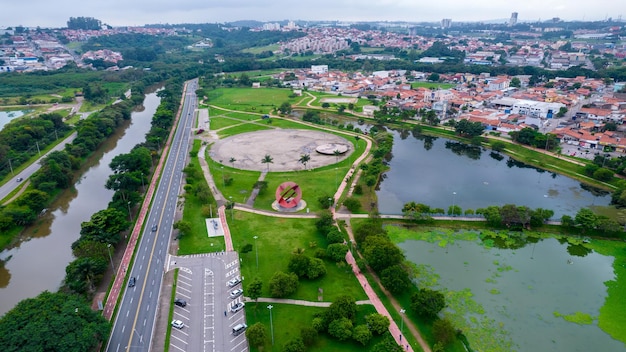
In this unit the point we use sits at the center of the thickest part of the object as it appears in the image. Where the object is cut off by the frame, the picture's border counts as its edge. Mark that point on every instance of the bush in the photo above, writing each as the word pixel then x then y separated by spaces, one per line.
pixel 294 345
pixel 362 334
pixel 336 252
pixel 444 331
pixel 283 284
pixel 352 204
pixel 334 235
pixel 308 335
pixel 340 329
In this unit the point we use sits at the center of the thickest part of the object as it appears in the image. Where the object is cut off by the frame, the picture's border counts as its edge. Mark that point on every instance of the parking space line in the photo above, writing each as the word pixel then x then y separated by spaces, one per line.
pixel 239 344
pixel 182 288
pixel 176 347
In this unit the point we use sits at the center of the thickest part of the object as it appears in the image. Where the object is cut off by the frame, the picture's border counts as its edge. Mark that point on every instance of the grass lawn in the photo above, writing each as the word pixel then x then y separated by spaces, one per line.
pixel 198 241
pixel 432 85
pixel 258 50
pixel 242 184
pixel 237 129
pixel 277 239
pixel 288 320
pixel 261 100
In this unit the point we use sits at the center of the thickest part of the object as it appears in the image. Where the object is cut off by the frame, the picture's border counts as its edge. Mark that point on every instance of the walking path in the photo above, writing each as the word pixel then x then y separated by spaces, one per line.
pixel 299 302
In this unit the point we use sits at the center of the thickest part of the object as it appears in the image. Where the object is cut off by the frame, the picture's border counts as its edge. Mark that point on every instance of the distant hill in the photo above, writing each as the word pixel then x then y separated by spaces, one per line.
pixel 246 23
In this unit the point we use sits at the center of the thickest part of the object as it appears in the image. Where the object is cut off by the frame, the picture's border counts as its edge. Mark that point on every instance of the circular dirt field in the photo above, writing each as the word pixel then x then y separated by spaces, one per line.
pixel 284 146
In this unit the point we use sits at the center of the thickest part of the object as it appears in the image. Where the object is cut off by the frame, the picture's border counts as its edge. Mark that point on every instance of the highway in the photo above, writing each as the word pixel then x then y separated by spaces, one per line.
pixel 134 323
pixel 7 188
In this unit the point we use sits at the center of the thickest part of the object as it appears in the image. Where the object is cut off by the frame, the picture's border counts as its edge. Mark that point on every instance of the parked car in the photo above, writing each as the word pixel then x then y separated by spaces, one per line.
pixel 178 324
pixel 132 281
pixel 239 328
pixel 236 293
pixel 180 302
pixel 234 282
pixel 237 307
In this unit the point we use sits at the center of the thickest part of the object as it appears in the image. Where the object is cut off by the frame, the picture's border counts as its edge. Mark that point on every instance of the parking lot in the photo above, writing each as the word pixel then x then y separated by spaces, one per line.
pixel 209 313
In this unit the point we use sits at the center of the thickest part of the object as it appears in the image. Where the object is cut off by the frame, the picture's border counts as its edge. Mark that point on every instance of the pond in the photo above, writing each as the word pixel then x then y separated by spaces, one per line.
pixel 517 299
pixel 7 116
pixel 440 172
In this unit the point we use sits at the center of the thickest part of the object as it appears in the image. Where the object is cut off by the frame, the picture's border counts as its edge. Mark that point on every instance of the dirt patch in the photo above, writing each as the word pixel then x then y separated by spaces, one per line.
pixel 339 100
pixel 285 147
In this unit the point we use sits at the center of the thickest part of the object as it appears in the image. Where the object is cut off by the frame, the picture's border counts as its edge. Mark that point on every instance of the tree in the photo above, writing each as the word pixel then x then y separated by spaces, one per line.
pixel 387 345
pixel 444 331
pixel 395 279
pixel 316 269
pixel 232 161
pixel 378 323
pixel 82 274
pixel 285 108
pixel 283 284
pixel 104 226
pixel 256 335
pixel 353 204
pixel 562 111
pixel 299 264
pixel 427 303
pixel 308 335
pixel 183 227
pixel 381 253
pixel 340 328
pixel 469 129
pixel 586 219
pixel 434 77
pixel 33 199
pixel 603 174
pixel 362 334
pixel 294 345
pixel 515 82
pixel 52 322
pixel 255 288
pixel 267 159
pixel 336 252
pixel 304 159
pixel 343 307
pixel 334 235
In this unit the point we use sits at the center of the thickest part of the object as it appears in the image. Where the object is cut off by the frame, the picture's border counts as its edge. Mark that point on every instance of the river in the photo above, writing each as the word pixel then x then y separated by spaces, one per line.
pixel 38 261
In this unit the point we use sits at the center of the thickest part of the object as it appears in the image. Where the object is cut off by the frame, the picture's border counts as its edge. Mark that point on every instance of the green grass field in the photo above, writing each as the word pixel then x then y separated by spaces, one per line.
pixel 288 320
pixel 277 239
pixel 260 100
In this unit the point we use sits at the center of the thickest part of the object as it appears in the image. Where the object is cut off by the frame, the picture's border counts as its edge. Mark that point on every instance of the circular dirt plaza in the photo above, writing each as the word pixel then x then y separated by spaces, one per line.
pixel 286 147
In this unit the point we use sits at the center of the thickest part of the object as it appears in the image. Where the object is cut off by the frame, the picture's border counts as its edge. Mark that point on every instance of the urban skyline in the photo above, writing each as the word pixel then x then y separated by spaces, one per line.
pixel 140 12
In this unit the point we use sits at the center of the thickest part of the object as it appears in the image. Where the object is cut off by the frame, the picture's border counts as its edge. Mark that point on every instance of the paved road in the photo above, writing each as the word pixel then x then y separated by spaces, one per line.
pixel 134 324
pixel 6 189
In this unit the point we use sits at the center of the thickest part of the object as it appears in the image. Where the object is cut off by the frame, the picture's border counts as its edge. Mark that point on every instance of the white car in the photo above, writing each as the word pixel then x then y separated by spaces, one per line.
pixel 234 282
pixel 236 293
pixel 178 324
pixel 237 307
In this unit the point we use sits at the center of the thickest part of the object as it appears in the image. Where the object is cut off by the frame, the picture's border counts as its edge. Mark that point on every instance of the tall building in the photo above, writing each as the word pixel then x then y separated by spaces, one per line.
pixel 446 23
pixel 513 20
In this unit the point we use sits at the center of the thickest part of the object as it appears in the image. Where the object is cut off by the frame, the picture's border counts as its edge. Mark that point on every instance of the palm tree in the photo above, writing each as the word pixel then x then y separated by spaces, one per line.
pixel 304 159
pixel 337 153
pixel 232 161
pixel 267 159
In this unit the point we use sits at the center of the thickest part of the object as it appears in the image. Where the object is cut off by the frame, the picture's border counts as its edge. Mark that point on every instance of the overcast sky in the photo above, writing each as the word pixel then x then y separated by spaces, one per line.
pixel 46 13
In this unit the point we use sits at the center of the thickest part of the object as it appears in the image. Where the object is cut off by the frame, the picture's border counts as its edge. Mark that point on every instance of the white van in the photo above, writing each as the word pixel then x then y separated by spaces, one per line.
pixel 239 328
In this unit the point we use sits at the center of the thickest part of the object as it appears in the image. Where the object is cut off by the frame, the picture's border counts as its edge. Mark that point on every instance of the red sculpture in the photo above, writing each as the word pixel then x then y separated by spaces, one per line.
pixel 288 194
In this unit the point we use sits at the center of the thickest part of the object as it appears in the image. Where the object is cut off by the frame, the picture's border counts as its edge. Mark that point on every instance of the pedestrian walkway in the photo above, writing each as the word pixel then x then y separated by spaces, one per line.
pixel 299 302
pixel 255 191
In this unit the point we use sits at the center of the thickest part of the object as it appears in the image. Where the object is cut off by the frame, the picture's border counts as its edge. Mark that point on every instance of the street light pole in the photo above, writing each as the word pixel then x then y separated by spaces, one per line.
pixel 453 199
pixel 130 216
pixel 257 252
pixel 402 311
pixel 223 182
pixel 143 186
pixel 232 205
pixel 271 324
pixel 110 257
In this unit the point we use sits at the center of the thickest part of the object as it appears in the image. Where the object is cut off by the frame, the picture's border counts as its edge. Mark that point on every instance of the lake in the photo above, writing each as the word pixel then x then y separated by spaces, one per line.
pixel 440 172
pixel 515 299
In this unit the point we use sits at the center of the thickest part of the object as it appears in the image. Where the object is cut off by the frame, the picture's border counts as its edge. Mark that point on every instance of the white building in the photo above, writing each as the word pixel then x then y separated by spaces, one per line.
pixel 319 69
pixel 536 108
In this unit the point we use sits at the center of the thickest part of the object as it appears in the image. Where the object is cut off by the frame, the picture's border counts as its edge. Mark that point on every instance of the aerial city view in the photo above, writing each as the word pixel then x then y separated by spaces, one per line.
pixel 336 176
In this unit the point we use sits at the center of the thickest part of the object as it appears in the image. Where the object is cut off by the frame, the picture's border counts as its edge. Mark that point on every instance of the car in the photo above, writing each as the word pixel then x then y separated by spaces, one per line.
pixel 180 302
pixel 234 282
pixel 236 293
pixel 132 281
pixel 19 179
pixel 154 227
pixel 237 307
pixel 239 328
pixel 178 324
